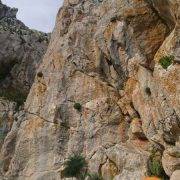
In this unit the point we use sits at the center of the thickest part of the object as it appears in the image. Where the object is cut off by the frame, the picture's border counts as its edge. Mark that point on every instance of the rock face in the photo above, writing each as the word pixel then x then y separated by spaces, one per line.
pixel 105 56
pixel 7 110
pixel 21 51
pixel 175 175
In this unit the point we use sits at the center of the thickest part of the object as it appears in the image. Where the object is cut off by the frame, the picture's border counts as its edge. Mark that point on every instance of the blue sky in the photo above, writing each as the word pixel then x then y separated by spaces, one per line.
pixel 36 14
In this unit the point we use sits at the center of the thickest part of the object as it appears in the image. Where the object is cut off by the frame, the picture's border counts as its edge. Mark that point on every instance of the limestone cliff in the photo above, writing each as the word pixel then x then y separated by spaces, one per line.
pixel 119 59
pixel 21 50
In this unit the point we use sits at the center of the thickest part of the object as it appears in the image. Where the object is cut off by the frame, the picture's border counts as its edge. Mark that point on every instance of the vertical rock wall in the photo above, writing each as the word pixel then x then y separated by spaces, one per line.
pixel 21 51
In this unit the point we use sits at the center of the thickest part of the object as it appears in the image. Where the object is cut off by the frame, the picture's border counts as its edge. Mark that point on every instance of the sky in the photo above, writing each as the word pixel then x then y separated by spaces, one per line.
pixel 36 14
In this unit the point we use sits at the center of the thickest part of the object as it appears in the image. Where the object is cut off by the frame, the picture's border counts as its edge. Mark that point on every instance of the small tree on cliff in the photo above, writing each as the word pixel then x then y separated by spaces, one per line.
pixel 75 166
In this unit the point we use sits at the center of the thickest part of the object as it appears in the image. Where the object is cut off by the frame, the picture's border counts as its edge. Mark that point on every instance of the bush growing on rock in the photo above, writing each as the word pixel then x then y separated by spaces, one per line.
pixel 166 61
pixel 75 166
pixel 155 165
pixel 156 168
pixel 77 106
pixel 94 177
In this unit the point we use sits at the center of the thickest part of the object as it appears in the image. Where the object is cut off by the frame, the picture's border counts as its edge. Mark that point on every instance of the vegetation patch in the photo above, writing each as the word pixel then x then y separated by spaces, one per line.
pixel 155 168
pixel 94 176
pixel 78 106
pixel 166 61
pixel 75 166
pixel 155 165
pixel 14 95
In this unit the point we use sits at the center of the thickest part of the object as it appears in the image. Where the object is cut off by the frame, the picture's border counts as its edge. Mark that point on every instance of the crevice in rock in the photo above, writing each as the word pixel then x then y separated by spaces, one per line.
pixel 165 16
pixel 100 167
pixel 168 20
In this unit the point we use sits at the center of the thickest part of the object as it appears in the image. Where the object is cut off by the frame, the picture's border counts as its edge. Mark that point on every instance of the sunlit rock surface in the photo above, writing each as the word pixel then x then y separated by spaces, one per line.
pixel 104 55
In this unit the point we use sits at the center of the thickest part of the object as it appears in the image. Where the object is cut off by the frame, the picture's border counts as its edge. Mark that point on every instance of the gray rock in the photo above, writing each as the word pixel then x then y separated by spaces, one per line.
pixel 21 50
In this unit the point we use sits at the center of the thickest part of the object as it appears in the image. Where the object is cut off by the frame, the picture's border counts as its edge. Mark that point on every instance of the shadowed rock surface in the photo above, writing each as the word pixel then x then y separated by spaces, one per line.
pixel 21 50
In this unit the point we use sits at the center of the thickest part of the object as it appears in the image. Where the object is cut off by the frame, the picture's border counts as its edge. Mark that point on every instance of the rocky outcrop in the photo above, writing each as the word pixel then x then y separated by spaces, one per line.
pixel 21 51
pixel 7 110
pixel 103 55
pixel 159 110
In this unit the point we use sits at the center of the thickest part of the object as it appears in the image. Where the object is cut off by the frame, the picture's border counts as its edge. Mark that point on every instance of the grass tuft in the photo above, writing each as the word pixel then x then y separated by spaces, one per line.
pixel 166 61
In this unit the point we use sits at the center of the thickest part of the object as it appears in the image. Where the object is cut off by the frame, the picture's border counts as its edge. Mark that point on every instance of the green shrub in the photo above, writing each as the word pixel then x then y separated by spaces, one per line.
pixel 14 95
pixel 77 106
pixel 156 168
pixel 166 61
pixel 75 166
pixel 94 177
